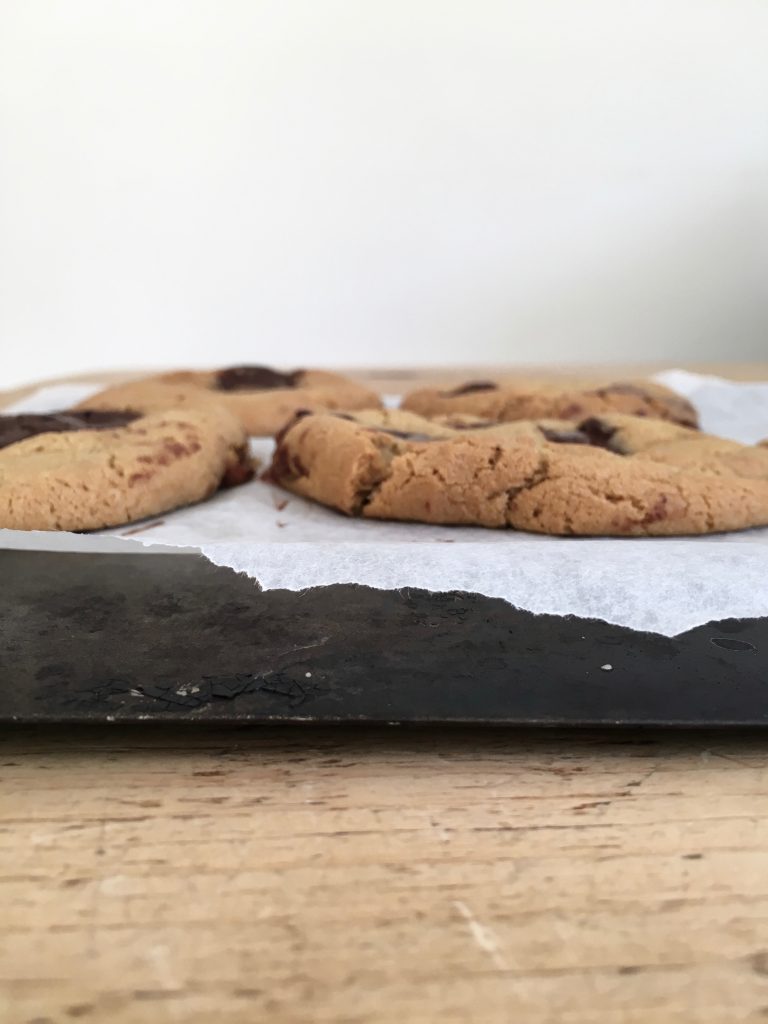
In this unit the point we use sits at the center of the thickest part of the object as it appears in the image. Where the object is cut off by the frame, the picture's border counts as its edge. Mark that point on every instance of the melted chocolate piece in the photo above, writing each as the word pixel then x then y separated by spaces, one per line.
pixel 471 388
pixel 298 415
pixel 18 428
pixel 284 466
pixel 592 431
pixel 405 435
pixel 240 471
pixel 565 436
pixel 597 433
pixel 255 378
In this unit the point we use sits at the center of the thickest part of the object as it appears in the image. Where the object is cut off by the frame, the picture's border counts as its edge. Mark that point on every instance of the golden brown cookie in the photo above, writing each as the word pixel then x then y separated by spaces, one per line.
pixel 261 398
pixel 613 475
pixel 151 396
pixel 518 400
pixel 93 469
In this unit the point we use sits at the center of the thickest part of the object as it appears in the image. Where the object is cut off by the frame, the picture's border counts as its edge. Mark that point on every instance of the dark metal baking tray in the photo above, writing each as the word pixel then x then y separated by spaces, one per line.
pixel 99 637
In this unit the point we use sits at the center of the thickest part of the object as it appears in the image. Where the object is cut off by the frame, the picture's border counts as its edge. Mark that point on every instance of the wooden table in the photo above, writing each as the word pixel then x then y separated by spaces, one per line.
pixel 340 876
pixel 353 876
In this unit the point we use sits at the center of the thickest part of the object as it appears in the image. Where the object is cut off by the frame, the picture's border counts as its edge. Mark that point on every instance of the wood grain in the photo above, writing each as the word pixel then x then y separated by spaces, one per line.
pixel 362 877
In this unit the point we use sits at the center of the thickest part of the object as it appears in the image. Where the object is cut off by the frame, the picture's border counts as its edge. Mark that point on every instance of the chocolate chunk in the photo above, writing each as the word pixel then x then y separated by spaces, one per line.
pixel 592 431
pixel 298 415
pixel 241 470
pixel 565 436
pixel 598 433
pixel 18 428
pixel 284 466
pixel 404 434
pixel 102 419
pixel 471 388
pixel 256 378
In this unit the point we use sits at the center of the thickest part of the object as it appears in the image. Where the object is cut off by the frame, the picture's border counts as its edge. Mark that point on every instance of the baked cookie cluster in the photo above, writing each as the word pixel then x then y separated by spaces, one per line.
pixel 261 398
pixel 509 400
pixel 144 448
pixel 608 475
pixel 622 460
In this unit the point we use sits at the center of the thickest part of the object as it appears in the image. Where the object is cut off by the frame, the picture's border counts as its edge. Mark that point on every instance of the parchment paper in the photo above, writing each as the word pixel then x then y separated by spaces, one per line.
pixel 665 586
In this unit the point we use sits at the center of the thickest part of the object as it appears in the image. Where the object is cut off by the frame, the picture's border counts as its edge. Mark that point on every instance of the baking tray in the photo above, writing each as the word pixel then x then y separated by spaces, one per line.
pixel 123 638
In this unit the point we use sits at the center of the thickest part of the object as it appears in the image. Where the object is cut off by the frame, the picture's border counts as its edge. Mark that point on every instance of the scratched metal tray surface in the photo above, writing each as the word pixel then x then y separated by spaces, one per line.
pixel 112 637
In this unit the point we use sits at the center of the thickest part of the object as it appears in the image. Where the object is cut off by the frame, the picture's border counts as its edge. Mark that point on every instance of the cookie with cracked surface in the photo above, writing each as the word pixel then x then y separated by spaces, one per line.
pixel 603 476
pixel 517 400
pixel 262 399
pixel 90 469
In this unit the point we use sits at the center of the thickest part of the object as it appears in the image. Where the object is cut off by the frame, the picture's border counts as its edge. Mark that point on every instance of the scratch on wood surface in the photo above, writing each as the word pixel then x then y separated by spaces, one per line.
pixel 709 753
pixel 484 936
pixel 304 647
pixel 160 961
pixel 335 812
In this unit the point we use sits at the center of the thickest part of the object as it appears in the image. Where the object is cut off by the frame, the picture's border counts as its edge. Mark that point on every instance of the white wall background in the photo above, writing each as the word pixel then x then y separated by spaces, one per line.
pixel 342 181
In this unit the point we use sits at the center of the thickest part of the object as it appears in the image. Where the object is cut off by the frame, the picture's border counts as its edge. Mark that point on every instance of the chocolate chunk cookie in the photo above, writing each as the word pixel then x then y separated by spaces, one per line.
pixel 263 399
pixel 85 470
pixel 614 475
pixel 510 400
